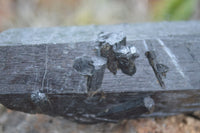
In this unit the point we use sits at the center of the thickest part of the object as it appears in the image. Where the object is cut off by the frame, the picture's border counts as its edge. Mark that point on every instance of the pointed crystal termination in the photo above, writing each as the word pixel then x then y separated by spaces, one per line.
pixel 113 47
pixel 163 69
pixel 149 104
pixel 126 57
pixel 93 68
pixel 110 41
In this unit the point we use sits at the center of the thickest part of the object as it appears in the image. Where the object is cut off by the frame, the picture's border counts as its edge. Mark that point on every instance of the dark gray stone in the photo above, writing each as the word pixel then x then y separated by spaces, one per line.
pixel 37 73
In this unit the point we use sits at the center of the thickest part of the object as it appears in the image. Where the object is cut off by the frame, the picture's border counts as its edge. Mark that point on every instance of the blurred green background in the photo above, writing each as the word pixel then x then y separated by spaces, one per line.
pixel 44 13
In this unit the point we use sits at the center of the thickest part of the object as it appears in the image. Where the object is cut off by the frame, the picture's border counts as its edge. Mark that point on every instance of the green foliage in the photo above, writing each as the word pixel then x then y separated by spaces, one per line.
pixel 175 10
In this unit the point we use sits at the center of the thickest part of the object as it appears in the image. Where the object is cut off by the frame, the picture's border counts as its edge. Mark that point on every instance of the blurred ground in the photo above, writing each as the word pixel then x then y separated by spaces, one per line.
pixel 18 122
pixel 44 13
